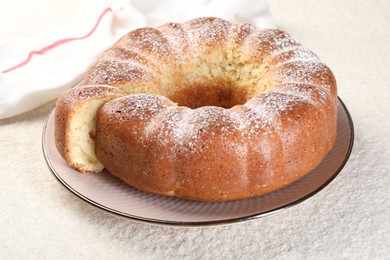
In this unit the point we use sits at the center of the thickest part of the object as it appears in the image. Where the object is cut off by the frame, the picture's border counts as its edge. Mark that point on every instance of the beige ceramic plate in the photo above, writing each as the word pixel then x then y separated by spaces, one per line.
pixel 111 194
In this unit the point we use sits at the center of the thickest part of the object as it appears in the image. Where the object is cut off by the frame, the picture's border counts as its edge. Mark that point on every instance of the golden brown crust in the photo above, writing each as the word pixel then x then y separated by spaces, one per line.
pixel 245 112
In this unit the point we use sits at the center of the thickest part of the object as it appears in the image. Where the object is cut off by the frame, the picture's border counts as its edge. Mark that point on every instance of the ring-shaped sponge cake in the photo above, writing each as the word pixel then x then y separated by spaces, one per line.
pixel 204 110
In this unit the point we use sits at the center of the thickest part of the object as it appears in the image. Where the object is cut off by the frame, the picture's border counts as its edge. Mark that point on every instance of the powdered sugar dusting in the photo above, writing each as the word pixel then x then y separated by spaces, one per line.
pixel 140 106
pixel 206 33
pixel 309 72
pixel 268 41
pixel 215 120
pixel 88 92
pixel 266 110
pixel 177 39
pixel 171 127
pixel 187 130
pixel 110 72
pixel 241 32
pixel 314 94
pixel 128 56
pixel 294 53
pixel 147 40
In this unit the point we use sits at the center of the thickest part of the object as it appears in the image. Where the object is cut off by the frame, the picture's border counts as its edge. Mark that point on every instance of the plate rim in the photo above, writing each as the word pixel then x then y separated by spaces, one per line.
pixel 208 222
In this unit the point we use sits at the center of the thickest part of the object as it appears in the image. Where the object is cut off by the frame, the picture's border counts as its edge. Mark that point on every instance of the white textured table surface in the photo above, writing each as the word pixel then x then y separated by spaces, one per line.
pixel 349 219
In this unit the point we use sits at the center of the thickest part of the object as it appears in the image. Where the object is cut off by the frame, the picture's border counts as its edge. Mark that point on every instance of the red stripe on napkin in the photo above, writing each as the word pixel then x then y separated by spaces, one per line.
pixel 57 43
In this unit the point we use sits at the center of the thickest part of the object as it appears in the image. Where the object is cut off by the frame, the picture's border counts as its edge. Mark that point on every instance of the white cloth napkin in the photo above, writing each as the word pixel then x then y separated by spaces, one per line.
pixel 35 70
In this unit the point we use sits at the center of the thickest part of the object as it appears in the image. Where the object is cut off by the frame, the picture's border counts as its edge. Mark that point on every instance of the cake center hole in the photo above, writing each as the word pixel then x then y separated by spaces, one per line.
pixel 219 94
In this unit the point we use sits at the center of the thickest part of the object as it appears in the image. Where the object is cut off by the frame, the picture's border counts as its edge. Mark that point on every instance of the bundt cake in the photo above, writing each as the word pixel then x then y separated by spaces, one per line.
pixel 205 110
